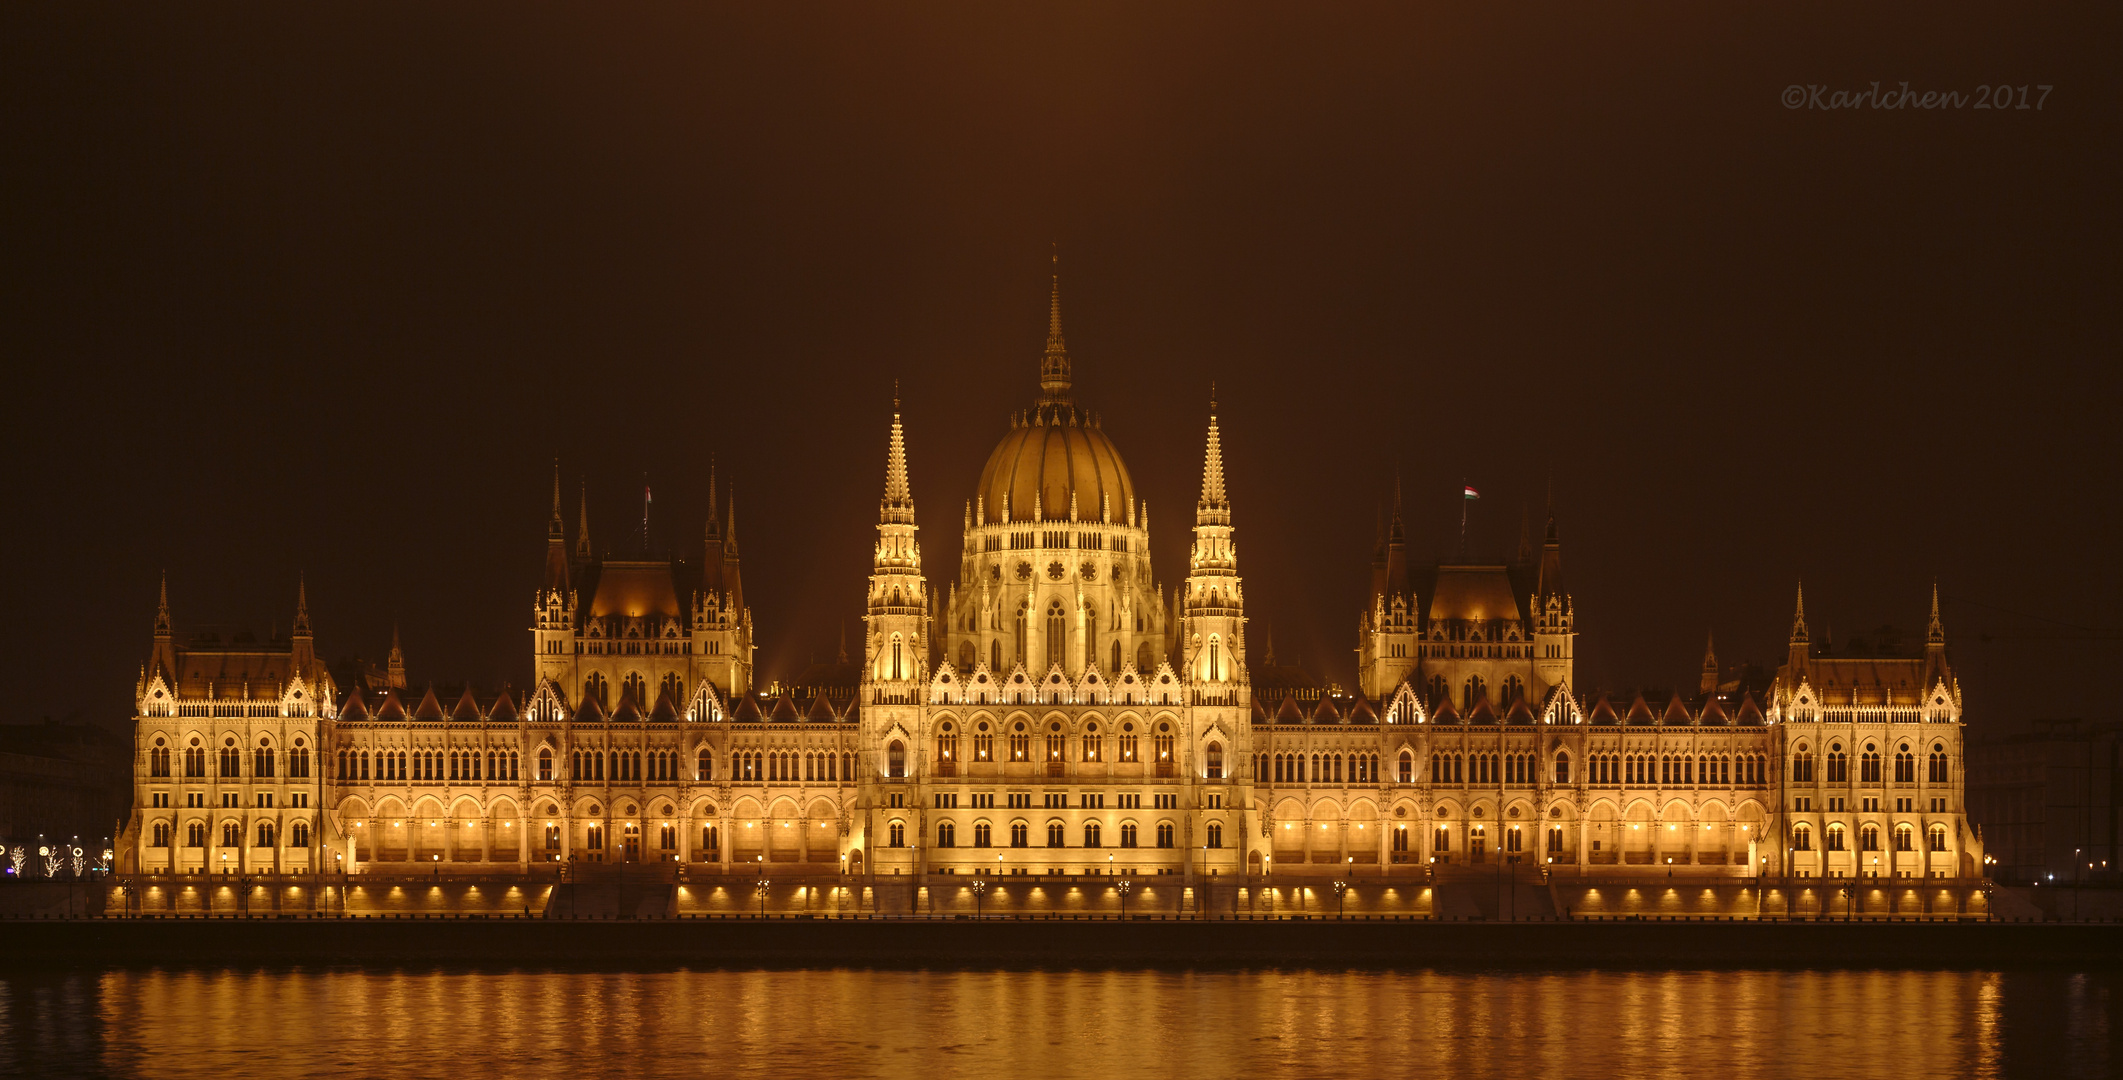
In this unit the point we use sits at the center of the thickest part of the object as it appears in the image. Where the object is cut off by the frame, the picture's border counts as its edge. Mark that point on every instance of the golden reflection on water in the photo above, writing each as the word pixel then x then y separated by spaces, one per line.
pixel 930 1024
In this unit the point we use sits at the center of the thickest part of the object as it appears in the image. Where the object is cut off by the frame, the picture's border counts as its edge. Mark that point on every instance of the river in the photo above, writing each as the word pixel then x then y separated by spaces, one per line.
pixel 476 1024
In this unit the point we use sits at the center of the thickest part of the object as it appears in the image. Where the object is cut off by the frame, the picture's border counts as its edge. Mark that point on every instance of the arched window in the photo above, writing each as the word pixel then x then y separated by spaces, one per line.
pixel 159 764
pixel 1938 837
pixel 1441 839
pixel 1214 837
pixel 1116 656
pixel 1094 743
pixel 1057 634
pixel 1020 742
pixel 195 834
pixel 231 834
pixel 1869 838
pixel 1407 767
pixel 981 836
pixel 1869 765
pixel 231 762
pixel 1165 834
pixel 1215 669
pixel 635 689
pixel 995 655
pixel 1142 656
pixel 1020 834
pixel 1438 696
pixel 1090 834
pixel 1835 837
pixel 1512 691
pixel 1127 836
pixel 298 761
pixel 1562 767
pixel 1802 765
pixel 1214 756
pixel 1838 766
pixel 946 835
pixel 896 760
pixel 1935 770
pixel 1905 838
pixel 898 669
pixel 1802 838
pixel 1905 765
pixel 1090 635
pixel 299 834
pixel 899 834
pixel 1473 693
pixel 983 742
pixel 545 765
pixel 1055 747
pixel 161 835
pixel 594 689
pixel 195 760
pixel 1054 835
pixel 1164 744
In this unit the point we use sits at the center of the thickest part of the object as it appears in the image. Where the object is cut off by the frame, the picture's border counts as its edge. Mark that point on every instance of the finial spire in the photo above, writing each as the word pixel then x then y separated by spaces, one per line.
pixel 1216 503
pixel 302 606
pixel 1798 619
pixel 898 506
pixel 1935 634
pixel 162 606
pixel 555 530
pixel 1054 377
pixel 582 523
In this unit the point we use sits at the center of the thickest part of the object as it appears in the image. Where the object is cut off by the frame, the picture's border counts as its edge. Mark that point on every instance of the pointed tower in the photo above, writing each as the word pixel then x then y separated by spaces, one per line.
pixel 1212 607
pixel 395 666
pixel 1801 651
pixel 1708 684
pixel 1054 375
pixel 553 607
pixel 896 650
pixel 722 626
pixel 1935 666
pixel 1387 648
pixel 302 658
pixel 1554 621
pixel 163 660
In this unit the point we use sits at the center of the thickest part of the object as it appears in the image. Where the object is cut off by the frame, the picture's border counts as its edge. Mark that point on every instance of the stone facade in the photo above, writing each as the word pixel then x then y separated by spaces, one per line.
pixel 1054 717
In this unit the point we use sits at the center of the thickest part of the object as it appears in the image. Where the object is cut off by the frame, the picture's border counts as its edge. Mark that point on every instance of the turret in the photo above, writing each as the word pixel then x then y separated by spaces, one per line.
pixel 897 645
pixel 1212 607
pixel 1708 684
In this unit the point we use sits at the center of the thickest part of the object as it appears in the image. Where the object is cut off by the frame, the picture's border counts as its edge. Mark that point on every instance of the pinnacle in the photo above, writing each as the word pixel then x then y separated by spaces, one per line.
pixel 1214 497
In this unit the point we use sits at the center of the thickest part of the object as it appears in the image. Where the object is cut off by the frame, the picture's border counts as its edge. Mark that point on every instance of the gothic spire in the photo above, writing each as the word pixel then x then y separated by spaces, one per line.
pixel 1935 634
pixel 555 529
pixel 1709 683
pixel 898 504
pixel 162 606
pixel 1054 378
pixel 302 608
pixel 1798 619
pixel 1215 507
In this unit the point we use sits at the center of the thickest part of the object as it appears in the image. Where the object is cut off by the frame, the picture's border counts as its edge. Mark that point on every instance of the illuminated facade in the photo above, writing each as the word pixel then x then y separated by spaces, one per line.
pixel 1053 713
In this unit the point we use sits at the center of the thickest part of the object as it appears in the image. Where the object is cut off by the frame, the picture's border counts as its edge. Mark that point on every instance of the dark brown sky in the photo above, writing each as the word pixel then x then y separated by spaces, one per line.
pixel 324 289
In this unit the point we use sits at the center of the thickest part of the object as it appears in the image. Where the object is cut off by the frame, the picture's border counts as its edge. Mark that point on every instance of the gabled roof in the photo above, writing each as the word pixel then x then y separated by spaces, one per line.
pixel 1603 712
pixel 1362 712
pixel 392 709
pixel 821 709
pixel 1749 712
pixel 1676 712
pixel 748 710
pixel 504 710
pixel 429 709
pixel 1288 712
pixel 1714 712
pixel 1519 713
pixel 1326 713
pixel 666 710
pixel 1640 712
pixel 1260 713
pixel 353 708
pixel 1445 713
pixel 1482 713
pixel 785 711
pixel 626 713
pixel 589 712
pixel 466 710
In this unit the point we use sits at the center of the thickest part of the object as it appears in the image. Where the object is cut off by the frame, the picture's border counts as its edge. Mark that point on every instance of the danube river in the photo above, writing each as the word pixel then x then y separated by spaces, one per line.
pixel 480 1024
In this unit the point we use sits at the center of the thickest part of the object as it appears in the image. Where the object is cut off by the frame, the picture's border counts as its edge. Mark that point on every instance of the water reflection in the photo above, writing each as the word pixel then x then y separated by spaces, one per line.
pixel 852 1023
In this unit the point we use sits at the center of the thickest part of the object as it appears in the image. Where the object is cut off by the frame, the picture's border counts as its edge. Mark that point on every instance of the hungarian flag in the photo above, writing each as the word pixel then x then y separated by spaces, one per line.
pixel 1473 494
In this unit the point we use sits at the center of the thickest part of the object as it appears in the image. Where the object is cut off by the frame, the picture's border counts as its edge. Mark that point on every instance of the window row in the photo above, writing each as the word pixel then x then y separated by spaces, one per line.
pixel 430 765
pixel 265 761
pixel 268 834
pixel 1322 768
pixel 1834 837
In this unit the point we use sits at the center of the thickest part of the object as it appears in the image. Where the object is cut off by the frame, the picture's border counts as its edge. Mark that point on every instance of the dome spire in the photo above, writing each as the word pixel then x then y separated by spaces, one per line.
pixel 1054 366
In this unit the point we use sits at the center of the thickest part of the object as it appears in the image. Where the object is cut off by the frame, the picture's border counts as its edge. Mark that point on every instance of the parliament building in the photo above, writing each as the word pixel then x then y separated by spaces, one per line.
pixel 1053 711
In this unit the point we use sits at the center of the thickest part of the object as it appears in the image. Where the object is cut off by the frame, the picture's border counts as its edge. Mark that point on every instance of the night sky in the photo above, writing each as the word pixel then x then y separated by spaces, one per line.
pixel 324 290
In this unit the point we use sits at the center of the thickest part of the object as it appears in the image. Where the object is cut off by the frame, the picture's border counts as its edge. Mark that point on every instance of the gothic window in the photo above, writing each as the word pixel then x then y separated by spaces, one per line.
pixel 898 668
pixel 1407 767
pixel 1802 765
pixel 1165 834
pixel 1090 630
pixel 1164 744
pixel 158 764
pixel 545 766
pixel 1116 656
pixel 1054 834
pixel 1214 757
pixel 231 761
pixel 983 743
pixel 1127 836
pixel 947 746
pixel 1020 834
pixel 1801 838
pixel 195 760
pixel 1215 668
pixel 1437 691
pixel 1054 744
pixel 1905 766
pixel 1057 634
pixel 1020 743
pixel 1441 839
pixel 1094 743
pixel 1562 768
pixel 981 835
pixel 1215 837
pixel 1835 837
pixel 675 688
pixel 1869 765
pixel 898 834
pixel 1869 838
pixel 231 834
pixel 995 655
pixel 946 835
pixel 161 836
pixel 896 760
pixel 265 834
pixel 1473 693
pixel 1023 623
pixel 593 689
pixel 1838 764
pixel 636 689
pixel 1127 742
pixel 1142 656
pixel 1513 690
pixel 1935 768
pixel 195 834
pixel 1090 834
pixel 1905 838
pixel 1938 838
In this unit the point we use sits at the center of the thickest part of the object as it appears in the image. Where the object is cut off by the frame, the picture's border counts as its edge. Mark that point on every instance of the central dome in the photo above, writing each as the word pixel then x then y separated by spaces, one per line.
pixel 1047 455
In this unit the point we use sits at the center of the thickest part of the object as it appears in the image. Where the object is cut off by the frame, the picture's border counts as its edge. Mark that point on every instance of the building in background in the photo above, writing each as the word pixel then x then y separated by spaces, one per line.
pixel 62 782
pixel 1053 712
pixel 2045 799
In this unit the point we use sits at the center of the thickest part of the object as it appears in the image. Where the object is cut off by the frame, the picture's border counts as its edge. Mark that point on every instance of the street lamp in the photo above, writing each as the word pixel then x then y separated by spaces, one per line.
pixel 980 886
pixel 1124 885
pixel 1340 887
